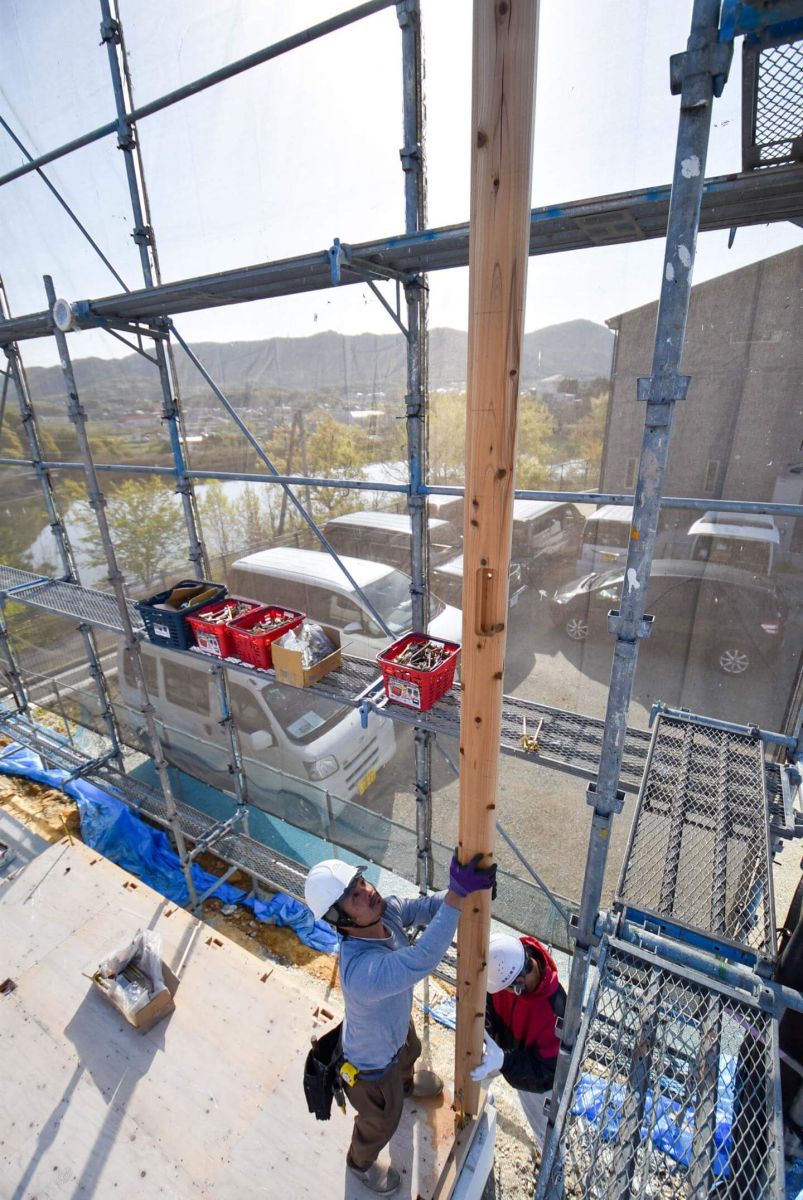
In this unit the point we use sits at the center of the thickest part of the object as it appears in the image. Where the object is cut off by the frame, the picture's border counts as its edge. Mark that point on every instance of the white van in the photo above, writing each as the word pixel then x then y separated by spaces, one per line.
pixel 746 540
pixel 312 582
pixel 388 537
pixel 606 536
pixel 298 748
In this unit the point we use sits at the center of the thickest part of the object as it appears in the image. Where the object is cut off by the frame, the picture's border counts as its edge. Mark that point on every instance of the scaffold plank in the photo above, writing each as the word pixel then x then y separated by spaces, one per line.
pixel 699 849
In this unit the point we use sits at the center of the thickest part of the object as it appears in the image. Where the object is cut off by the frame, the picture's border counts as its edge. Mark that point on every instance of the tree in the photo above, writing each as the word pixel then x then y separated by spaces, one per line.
pixel 535 449
pixel 254 518
pixel 219 518
pixel 146 529
pixel 589 433
pixel 447 439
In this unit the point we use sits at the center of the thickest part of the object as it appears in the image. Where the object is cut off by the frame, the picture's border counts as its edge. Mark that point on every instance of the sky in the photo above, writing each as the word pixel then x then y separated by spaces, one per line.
pixel 290 155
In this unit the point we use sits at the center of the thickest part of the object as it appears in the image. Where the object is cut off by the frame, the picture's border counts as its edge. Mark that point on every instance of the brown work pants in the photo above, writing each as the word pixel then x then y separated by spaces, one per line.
pixel 379 1105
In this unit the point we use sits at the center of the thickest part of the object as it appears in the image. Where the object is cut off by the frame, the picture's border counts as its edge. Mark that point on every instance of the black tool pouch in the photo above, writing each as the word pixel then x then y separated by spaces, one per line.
pixel 322 1074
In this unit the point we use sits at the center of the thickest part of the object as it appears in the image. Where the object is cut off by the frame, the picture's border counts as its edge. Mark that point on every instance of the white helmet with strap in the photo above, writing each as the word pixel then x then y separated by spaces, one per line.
pixel 328 882
pixel 506 960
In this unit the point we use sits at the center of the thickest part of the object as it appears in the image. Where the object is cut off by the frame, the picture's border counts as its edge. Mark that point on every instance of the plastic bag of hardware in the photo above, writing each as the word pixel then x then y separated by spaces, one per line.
pixel 311 642
pixel 132 975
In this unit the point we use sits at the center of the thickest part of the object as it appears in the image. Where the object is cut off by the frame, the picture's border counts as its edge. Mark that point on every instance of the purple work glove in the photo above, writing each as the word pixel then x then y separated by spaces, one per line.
pixel 472 877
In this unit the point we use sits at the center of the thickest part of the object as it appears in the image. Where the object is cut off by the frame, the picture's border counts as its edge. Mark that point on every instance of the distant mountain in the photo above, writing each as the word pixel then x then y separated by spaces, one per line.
pixel 339 365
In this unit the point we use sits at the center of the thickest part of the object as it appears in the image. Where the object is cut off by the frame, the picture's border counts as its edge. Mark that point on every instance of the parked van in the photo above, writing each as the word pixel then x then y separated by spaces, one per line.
pixel 606 535
pixel 297 746
pixel 447 582
pixel 545 532
pixel 312 582
pixel 387 537
pixel 746 540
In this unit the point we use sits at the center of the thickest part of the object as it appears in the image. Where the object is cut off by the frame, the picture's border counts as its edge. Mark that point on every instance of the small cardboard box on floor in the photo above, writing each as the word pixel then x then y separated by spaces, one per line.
pixel 288 667
pixel 141 961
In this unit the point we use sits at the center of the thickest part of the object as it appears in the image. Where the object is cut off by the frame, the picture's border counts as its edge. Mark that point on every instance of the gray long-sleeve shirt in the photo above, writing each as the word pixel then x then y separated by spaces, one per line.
pixel 378 975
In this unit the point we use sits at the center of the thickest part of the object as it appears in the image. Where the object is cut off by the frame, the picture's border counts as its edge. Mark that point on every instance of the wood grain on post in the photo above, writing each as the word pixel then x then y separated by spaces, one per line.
pixel 505 34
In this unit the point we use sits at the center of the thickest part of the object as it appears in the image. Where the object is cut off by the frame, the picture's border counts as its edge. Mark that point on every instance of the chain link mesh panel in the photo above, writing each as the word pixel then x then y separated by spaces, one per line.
pixel 773 105
pixel 672 1093
pixel 699 849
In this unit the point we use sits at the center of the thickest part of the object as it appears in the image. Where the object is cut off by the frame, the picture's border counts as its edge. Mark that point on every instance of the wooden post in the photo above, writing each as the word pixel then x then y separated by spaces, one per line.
pixel 505 34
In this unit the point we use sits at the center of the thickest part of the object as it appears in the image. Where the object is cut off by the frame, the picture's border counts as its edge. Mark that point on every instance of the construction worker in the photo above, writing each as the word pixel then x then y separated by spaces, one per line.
pixel 525 999
pixel 378 970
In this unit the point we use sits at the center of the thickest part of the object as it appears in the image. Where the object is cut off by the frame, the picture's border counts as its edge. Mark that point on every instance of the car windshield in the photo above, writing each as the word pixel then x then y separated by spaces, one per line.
pixel 609 582
pixel 750 556
pixel 607 533
pixel 390 596
pixel 302 714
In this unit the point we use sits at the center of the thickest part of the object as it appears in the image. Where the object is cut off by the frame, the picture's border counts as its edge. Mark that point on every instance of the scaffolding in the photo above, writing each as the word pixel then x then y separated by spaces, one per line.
pixel 659 1031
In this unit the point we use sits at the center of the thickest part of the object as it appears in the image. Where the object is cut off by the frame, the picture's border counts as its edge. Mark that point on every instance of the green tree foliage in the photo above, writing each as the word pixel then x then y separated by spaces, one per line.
pixel 587 437
pixel 146 528
pixel 219 519
pixel 535 445
pixel 447 438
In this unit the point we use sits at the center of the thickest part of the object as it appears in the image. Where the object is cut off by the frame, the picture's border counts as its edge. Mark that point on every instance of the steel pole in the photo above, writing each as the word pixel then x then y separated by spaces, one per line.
pixel 698 75
pixel 98 504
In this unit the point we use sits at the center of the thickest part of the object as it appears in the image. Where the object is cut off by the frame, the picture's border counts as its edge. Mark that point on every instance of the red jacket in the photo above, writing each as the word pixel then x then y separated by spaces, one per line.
pixel 524 1026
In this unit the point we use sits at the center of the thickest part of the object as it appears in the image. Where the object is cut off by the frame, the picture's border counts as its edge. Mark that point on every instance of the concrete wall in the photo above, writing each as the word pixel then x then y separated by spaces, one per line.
pixel 744 411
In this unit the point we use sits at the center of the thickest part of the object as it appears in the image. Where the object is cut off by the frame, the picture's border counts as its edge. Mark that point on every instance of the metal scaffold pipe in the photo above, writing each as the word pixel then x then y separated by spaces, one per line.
pixel 698 75
pixel 97 503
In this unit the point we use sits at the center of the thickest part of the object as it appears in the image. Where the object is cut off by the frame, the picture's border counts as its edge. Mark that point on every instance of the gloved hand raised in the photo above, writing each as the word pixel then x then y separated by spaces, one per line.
pixel 472 877
pixel 491 1062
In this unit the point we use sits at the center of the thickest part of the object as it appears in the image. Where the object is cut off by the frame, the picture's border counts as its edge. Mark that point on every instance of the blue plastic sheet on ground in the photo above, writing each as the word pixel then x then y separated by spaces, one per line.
pixel 600 1102
pixel 445 1012
pixel 109 826
pixel 794 1179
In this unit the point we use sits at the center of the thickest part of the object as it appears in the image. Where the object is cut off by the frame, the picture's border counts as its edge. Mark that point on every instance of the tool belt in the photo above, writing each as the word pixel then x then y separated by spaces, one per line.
pixel 322 1082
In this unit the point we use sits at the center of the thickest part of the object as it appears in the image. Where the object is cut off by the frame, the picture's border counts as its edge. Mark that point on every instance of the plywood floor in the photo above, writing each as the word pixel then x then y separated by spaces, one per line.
pixel 209 1103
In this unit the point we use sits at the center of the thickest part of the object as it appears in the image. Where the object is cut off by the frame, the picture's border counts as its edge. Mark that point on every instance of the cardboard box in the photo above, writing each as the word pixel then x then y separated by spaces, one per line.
pixel 288 668
pixel 160 1006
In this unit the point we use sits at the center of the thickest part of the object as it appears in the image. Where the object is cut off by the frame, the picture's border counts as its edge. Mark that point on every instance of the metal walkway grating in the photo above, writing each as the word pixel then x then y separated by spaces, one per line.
pixel 671 1093
pixel 699 850
pixel 772 105
pixel 568 742
pixel 82 604
pixel 12 577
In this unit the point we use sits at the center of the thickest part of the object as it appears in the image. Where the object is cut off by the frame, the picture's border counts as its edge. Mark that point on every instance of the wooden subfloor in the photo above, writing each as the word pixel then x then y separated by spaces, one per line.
pixel 209 1103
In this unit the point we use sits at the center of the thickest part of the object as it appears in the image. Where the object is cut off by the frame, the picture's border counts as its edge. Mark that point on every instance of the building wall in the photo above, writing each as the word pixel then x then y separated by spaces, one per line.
pixel 744 410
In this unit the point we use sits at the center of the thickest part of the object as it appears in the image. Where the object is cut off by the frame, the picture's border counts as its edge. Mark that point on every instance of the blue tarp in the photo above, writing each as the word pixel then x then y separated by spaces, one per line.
pixel 109 826
pixel 600 1101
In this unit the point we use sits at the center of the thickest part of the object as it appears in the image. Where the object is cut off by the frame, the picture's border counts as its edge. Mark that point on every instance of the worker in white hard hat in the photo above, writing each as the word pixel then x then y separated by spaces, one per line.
pixel 378 969
pixel 525 1000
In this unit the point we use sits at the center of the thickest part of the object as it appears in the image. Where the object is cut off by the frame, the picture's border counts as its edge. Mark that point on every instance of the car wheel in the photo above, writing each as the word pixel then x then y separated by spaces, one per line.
pixel 577 628
pixel 733 660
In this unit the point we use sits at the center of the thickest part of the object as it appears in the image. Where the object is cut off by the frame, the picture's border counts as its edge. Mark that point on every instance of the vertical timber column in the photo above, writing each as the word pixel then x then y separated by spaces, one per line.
pixel 505 33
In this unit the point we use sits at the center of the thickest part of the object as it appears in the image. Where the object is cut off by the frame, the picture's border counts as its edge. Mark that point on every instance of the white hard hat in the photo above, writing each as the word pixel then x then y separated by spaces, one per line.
pixel 326 884
pixel 506 959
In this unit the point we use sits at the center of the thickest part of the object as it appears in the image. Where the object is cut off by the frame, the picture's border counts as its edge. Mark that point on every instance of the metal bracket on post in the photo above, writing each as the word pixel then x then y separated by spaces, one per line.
pixel 660 392
pixel 110 31
pixel 615 624
pixel 690 70
pixel 602 806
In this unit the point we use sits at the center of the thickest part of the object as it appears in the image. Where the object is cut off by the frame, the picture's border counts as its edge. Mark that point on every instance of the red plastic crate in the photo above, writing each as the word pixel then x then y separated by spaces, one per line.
pixel 411 687
pixel 213 637
pixel 254 648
